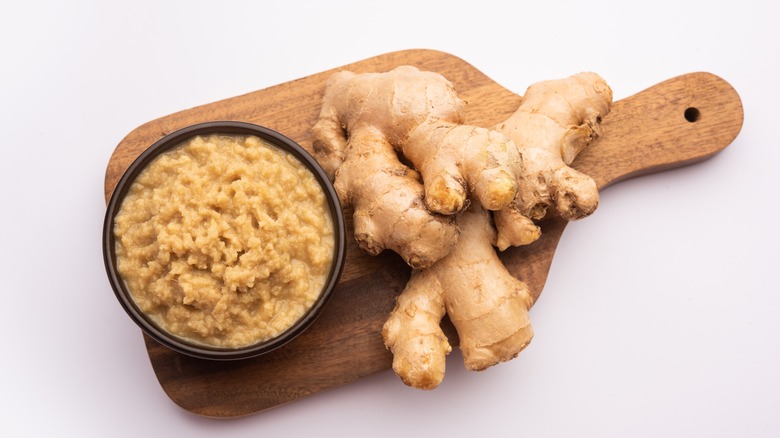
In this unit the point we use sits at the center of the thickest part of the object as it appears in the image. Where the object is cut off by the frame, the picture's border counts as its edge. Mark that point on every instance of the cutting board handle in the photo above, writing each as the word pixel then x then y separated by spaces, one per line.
pixel 677 122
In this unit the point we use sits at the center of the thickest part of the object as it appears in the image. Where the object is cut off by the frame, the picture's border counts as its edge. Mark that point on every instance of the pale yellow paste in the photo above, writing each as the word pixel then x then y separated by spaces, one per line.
pixel 225 240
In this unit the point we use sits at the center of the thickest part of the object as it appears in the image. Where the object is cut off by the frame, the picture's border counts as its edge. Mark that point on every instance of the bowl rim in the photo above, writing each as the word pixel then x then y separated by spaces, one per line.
pixel 169 142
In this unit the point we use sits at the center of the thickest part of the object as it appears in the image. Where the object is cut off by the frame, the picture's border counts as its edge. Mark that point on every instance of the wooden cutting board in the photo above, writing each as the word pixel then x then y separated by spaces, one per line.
pixel 680 121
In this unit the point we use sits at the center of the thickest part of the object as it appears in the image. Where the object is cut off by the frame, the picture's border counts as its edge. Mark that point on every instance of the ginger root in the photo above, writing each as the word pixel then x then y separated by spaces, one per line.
pixel 442 225
pixel 486 304
pixel 367 119
pixel 555 121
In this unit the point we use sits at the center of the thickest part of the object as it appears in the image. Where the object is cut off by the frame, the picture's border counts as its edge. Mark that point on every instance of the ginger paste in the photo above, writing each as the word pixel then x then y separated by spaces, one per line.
pixel 225 240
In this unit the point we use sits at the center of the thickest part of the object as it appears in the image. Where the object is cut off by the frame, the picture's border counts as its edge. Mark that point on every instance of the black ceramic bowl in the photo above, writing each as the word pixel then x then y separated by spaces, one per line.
pixel 182 345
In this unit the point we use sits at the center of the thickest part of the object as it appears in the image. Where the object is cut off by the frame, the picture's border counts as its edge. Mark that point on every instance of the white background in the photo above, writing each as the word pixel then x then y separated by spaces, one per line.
pixel 661 316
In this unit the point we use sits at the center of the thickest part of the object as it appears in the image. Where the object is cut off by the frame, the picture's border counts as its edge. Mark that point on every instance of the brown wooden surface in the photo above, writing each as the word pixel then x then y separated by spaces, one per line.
pixel 644 133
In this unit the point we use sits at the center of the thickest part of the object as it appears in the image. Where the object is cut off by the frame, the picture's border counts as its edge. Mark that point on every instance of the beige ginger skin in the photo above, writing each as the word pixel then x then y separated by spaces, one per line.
pixel 555 121
pixel 486 304
pixel 367 119
pixel 517 171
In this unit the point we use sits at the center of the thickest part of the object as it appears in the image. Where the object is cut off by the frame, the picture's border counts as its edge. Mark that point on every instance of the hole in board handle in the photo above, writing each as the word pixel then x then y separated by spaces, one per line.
pixel 692 114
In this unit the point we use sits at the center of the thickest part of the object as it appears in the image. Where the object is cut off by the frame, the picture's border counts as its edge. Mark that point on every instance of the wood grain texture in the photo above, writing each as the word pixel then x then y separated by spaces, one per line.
pixel 647 132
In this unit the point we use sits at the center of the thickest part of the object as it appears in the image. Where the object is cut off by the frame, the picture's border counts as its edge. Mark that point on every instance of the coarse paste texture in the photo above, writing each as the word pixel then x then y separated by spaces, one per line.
pixel 225 240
